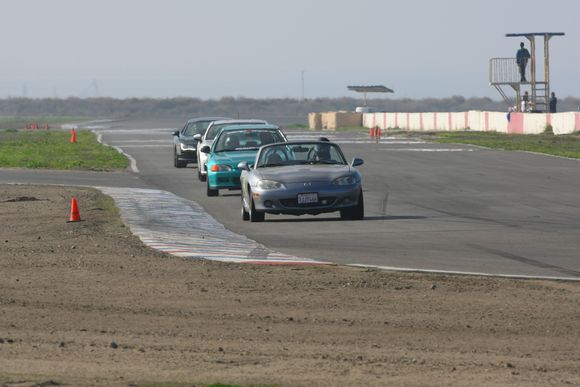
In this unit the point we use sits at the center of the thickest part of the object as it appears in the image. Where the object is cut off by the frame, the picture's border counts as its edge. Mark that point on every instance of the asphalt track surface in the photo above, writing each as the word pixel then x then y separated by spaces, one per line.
pixel 432 207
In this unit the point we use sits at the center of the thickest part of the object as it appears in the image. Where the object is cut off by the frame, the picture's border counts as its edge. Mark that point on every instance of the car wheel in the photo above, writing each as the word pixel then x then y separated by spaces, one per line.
pixel 200 176
pixel 245 214
pixel 354 213
pixel 176 162
pixel 255 216
pixel 212 192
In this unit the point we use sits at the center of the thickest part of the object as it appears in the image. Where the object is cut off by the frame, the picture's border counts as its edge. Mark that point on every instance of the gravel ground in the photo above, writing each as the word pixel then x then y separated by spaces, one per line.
pixel 86 303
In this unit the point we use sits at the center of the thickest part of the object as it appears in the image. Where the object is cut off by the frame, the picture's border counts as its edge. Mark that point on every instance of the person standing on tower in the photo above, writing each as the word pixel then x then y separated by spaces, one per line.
pixel 522 57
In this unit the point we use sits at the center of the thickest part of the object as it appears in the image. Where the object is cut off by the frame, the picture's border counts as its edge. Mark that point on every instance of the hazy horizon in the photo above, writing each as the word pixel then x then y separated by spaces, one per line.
pixel 260 49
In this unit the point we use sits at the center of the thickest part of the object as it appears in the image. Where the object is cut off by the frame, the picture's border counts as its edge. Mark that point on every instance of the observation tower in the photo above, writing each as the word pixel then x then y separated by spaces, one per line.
pixel 505 72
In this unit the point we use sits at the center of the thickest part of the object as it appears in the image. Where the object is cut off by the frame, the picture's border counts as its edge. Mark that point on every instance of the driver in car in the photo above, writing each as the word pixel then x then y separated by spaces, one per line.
pixel 322 151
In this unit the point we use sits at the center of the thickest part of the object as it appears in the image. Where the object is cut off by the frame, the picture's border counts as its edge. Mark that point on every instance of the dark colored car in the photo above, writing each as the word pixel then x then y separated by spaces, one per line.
pixel 184 143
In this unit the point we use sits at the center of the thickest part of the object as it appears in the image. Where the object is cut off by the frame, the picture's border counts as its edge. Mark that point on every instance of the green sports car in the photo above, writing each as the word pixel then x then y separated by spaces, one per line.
pixel 234 144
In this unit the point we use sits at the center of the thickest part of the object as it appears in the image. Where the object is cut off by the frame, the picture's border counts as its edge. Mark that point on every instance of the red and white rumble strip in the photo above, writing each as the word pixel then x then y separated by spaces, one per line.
pixel 180 227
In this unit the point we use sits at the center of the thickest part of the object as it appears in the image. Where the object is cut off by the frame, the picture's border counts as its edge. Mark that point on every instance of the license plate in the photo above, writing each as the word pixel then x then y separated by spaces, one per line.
pixel 307 198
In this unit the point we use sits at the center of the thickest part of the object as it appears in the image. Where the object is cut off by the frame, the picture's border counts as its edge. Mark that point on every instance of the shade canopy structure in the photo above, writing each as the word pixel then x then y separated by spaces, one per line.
pixel 526 34
pixel 370 89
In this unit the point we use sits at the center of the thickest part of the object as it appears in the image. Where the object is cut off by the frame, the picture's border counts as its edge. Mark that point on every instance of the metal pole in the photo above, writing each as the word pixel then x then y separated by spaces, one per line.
pixel 532 40
pixel 547 70
pixel 302 86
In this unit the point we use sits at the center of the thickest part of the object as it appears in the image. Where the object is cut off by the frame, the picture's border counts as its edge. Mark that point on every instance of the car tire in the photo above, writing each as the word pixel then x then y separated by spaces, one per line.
pixel 176 162
pixel 354 213
pixel 255 216
pixel 200 176
pixel 212 192
pixel 245 214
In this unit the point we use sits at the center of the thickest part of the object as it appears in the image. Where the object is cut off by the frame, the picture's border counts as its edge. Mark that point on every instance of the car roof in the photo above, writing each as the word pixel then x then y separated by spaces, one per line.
pixel 300 142
pixel 203 119
pixel 240 121
pixel 230 128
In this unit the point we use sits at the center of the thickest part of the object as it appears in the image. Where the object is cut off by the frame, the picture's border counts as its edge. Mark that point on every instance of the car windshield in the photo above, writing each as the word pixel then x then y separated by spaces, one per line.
pixel 197 127
pixel 246 139
pixel 214 129
pixel 300 153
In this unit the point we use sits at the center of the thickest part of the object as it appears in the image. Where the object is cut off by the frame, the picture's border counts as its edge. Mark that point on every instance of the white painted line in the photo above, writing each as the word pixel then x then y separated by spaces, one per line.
pixel 131 159
pixel 466 273
pixel 429 149
pixel 147 146
pixel 159 141
pixel 140 131
pixel 545 154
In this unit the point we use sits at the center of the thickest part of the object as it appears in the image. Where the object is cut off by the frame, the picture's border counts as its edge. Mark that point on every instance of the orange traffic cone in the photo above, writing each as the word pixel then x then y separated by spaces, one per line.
pixel 73 136
pixel 75 216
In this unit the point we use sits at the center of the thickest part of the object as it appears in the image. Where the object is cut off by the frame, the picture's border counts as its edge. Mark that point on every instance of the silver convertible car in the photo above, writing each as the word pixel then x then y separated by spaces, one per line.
pixel 301 177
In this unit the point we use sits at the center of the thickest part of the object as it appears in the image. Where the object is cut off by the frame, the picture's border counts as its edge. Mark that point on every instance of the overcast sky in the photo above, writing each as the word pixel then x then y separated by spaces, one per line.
pixel 261 48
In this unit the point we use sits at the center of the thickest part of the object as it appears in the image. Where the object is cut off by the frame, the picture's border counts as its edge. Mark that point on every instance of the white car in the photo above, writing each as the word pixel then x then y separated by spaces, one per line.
pixel 207 139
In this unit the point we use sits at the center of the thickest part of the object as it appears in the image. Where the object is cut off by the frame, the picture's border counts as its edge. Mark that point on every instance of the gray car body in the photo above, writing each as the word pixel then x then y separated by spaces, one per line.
pixel 203 140
pixel 299 179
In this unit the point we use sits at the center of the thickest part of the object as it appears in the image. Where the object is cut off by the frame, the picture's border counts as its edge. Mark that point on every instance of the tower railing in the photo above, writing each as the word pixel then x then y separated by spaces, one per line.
pixel 505 71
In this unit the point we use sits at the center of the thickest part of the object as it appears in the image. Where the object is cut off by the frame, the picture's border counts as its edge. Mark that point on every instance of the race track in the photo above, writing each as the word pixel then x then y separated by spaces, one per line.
pixel 453 208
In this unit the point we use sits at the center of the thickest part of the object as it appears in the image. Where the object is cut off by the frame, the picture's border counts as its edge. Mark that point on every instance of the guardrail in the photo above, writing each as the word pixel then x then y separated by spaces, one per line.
pixel 524 123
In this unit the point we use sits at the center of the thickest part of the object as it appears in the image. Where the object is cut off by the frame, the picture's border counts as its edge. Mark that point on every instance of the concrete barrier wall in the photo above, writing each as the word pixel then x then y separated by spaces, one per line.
pixel 522 123
pixel 561 121
pixel 334 120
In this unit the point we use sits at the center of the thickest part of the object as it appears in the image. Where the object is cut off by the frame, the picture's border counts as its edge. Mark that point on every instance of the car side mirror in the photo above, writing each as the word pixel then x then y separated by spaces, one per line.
pixel 197 137
pixel 205 149
pixel 243 166
pixel 356 162
pixel 176 133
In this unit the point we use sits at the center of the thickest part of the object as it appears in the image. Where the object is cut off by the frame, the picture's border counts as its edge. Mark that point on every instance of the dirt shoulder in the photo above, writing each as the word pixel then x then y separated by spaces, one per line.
pixel 87 304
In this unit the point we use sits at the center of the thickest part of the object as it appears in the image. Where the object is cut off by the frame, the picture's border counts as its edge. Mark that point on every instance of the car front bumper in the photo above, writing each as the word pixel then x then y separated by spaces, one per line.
pixel 285 201
pixel 224 179
pixel 202 163
pixel 189 155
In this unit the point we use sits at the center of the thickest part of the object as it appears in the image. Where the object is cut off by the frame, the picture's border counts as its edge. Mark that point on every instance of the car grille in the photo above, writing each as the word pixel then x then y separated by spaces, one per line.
pixel 330 200
pixel 228 180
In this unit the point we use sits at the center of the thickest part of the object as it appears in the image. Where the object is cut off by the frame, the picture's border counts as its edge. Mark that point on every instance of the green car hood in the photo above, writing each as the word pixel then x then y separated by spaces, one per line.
pixel 233 158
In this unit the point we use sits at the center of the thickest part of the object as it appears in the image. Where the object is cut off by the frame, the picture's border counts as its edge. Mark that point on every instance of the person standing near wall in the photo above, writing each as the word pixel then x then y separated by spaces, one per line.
pixel 525 102
pixel 553 102
pixel 522 57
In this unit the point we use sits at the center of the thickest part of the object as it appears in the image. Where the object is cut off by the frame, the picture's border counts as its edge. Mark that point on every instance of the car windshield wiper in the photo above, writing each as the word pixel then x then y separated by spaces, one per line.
pixel 322 162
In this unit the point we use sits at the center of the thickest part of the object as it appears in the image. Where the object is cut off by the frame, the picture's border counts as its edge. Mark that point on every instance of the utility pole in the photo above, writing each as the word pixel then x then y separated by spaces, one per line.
pixel 302 99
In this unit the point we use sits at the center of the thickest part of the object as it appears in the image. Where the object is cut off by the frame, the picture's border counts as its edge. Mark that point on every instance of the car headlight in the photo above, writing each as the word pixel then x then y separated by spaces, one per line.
pixel 185 147
pixel 269 184
pixel 346 180
pixel 221 168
